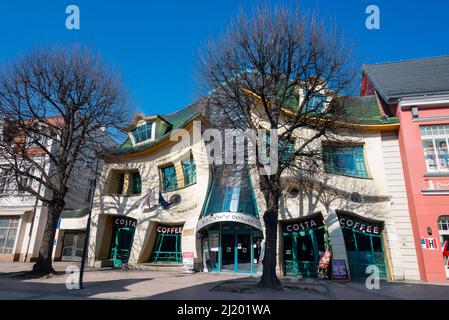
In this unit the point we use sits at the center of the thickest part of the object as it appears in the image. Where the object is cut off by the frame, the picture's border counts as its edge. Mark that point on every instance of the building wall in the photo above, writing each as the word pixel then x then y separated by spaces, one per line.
pixel 186 213
pixel 402 242
pixel 386 182
pixel 424 208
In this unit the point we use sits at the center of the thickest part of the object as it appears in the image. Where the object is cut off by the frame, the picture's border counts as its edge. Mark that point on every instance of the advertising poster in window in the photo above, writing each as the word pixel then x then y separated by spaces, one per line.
pixel 339 270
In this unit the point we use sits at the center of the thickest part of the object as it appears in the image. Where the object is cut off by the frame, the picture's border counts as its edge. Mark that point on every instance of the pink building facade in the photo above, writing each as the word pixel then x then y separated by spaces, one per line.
pixel 417 92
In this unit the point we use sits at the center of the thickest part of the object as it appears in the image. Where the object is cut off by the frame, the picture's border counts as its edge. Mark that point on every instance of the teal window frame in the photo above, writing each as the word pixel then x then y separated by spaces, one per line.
pixel 137 183
pixel 169 178
pixel 158 255
pixel 121 183
pixel 189 169
pixel 357 260
pixel 345 160
pixel 143 132
pixel 286 151
pixel 293 265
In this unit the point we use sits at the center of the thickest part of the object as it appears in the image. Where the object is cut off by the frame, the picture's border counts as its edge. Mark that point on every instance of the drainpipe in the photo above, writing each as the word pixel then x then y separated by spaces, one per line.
pixel 32 220
pixel 86 239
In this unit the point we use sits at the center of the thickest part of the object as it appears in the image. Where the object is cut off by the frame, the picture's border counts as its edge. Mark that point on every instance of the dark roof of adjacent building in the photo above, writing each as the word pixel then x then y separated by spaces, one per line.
pixel 426 76
pixel 176 120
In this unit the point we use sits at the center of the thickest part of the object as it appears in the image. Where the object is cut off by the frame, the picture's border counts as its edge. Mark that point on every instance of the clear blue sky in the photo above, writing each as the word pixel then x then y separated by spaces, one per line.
pixel 155 43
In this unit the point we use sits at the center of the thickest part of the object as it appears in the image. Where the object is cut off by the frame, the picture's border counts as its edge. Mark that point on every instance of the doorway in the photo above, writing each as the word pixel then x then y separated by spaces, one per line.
pixel 443 228
pixel 122 240
pixel 232 247
pixel 72 246
pixel 364 244
pixel 303 249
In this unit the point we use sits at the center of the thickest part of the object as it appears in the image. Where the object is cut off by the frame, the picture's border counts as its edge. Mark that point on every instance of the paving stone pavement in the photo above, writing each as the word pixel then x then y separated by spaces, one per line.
pixel 117 284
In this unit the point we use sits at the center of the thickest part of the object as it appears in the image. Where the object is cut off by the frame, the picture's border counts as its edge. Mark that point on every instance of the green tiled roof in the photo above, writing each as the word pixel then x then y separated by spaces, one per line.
pixel 360 110
pixel 75 213
pixel 177 120
pixel 365 110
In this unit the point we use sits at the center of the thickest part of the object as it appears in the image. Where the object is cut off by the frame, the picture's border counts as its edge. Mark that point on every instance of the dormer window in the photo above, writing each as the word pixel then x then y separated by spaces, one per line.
pixel 143 132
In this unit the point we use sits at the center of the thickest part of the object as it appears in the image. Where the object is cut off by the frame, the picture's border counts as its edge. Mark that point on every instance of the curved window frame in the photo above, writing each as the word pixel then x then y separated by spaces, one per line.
pixel 360 173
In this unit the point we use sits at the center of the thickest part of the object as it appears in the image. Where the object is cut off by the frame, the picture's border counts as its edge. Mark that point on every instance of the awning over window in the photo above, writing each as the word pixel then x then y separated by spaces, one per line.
pixel 74 219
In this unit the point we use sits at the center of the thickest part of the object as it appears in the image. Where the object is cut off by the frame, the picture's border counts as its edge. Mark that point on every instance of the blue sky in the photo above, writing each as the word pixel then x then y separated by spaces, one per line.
pixel 155 43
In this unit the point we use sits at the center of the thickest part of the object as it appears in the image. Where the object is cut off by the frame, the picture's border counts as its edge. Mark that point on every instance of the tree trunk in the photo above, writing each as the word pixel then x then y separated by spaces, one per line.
pixel 269 278
pixel 43 265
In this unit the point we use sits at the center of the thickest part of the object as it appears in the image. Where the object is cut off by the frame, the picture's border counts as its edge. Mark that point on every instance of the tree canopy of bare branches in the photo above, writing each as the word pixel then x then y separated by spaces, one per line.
pixel 267 71
pixel 56 107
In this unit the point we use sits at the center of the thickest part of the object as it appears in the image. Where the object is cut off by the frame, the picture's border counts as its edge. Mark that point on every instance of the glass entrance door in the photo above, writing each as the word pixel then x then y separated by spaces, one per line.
pixel 121 246
pixel 73 245
pixel 244 252
pixel 228 252
pixel 237 246
pixel 302 251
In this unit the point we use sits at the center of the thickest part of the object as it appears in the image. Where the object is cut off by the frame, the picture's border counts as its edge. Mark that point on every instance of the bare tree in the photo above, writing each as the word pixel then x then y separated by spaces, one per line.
pixel 267 71
pixel 56 108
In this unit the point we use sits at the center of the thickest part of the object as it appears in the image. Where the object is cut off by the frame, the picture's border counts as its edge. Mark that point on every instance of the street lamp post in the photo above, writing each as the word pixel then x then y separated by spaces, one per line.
pixel 86 240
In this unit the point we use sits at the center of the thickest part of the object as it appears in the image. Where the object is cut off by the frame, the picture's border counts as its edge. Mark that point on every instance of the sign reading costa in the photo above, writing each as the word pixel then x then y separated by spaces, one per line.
pixel 164 229
pixel 125 222
pixel 304 225
pixel 354 223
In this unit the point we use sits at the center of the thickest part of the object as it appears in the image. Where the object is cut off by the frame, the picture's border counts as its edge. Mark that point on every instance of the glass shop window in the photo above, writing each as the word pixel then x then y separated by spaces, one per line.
pixel 319 233
pixel 348 235
pixel 377 244
pixel 304 247
pixel 363 242
pixel 167 248
pixel 8 232
pixel 288 254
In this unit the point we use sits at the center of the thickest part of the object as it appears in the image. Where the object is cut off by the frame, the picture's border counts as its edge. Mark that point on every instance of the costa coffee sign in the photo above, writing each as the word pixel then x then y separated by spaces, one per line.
pixel 125 222
pixel 169 229
pixel 366 227
pixel 303 225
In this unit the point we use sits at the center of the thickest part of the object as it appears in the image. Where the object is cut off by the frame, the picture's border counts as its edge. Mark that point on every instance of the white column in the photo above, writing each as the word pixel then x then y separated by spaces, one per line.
pixel 336 236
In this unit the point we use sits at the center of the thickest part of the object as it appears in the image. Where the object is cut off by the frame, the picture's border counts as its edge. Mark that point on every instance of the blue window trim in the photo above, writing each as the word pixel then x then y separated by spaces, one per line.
pixel 348 160
pixel 169 179
pixel 315 103
pixel 189 169
pixel 288 150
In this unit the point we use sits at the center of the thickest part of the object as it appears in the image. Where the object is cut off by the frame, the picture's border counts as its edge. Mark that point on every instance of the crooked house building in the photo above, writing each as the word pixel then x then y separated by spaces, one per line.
pixel 161 204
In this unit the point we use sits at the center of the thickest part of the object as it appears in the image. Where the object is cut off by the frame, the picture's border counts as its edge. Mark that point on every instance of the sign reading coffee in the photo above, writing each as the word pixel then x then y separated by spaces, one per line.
pixel 363 226
pixel 164 229
pixel 303 225
pixel 124 222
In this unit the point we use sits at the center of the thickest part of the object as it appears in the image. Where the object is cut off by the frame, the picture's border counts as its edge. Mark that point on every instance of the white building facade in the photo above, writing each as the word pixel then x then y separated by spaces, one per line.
pixel 161 204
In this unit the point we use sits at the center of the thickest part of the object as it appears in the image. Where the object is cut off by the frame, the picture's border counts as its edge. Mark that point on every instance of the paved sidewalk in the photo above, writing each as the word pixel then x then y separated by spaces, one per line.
pixel 117 284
